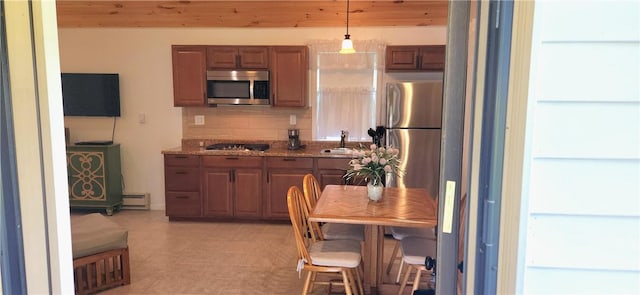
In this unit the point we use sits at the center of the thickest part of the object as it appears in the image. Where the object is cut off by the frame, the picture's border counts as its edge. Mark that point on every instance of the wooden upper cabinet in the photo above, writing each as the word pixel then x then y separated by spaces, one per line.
pixel 189 75
pixel 415 58
pixel 237 57
pixel 402 57
pixel 432 58
pixel 289 76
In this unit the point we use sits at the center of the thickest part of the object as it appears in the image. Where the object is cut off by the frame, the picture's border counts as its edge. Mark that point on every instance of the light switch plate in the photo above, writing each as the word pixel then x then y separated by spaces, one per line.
pixel 199 119
pixel 292 119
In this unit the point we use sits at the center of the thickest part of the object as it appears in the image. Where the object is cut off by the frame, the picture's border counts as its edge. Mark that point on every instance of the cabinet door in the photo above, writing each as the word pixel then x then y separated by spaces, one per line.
pixel 330 171
pixel 402 58
pixel 189 76
pixel 222 57
pixel 253 57
pixel 289 76
pixel 248 192
pixel 330 177
pixel 278 183
pixel 217 192
pixel 432 58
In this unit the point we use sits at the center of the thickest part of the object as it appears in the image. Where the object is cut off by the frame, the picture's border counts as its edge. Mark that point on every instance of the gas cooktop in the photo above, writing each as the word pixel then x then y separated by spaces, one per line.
pixel 238 147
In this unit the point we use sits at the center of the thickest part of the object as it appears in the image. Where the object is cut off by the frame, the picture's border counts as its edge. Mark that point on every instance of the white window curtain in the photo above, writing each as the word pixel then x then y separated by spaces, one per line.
pixel 348 108
pixel 347 88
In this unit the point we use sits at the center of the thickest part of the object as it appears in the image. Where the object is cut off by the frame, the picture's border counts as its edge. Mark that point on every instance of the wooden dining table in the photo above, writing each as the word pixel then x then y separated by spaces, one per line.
pixel 408 207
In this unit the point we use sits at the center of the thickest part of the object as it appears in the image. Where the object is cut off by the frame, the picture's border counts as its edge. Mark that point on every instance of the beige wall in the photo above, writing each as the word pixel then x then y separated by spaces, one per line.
pixel 142 57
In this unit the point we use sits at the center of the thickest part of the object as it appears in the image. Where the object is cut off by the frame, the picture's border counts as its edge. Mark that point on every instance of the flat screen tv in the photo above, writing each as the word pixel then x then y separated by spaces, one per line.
pixel 92 95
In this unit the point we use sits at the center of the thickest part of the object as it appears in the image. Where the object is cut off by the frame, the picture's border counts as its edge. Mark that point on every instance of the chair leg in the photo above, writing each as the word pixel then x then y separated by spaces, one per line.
pixel 345 280
pixel 394 256
pixel 352 281
pixel 359 282
pixel 416 280
pixel 307 283
pixel 400 270
pixel 314 275
pixel 405 279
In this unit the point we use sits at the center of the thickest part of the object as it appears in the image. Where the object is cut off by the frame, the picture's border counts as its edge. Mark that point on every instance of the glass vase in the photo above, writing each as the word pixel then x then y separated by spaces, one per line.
pixel 374 190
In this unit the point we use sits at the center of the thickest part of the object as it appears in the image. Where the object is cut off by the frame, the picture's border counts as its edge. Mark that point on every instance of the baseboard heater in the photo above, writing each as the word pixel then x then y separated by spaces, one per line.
pixel 133 201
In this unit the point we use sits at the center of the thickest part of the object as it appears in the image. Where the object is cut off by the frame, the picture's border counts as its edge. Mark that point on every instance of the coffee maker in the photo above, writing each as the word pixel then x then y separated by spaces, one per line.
pixel 294 139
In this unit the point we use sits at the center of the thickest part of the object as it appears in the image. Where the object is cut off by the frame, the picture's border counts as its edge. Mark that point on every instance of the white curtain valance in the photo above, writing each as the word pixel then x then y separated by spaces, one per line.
pixel 324 55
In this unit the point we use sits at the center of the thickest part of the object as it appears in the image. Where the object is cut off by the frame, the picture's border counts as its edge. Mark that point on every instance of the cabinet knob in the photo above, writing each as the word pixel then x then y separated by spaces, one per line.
pixel 231 158
pixel 182 172
pixel 289 159
pixel 182 197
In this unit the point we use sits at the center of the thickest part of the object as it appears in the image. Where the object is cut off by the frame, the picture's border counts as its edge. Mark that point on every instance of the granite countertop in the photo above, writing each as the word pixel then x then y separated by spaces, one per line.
pixel 276 149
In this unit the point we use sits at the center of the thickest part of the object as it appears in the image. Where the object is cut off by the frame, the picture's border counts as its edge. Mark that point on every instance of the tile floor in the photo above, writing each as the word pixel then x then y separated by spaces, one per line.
pixel 212 257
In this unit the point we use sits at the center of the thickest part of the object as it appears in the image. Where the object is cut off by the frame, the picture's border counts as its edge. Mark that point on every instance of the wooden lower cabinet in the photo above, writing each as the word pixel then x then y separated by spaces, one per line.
pixel 182 186
pixel 240 187
pixel 232 186
pixel 283 173
pixel 330 171
pixel 183 204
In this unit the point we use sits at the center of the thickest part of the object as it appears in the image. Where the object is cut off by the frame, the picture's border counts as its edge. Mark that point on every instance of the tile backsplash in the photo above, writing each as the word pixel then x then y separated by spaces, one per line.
pixel 245 122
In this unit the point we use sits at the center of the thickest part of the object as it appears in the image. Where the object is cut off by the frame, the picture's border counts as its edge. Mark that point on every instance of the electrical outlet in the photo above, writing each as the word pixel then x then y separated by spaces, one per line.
pixel 199 119
pixel 292 119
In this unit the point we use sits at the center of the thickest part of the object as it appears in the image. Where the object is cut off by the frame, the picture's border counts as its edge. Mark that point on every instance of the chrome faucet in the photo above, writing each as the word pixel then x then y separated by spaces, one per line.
pixel 343 138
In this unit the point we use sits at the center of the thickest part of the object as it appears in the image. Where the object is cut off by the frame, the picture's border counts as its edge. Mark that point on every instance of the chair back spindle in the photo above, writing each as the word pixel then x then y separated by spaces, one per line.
pixel 312 193
pixel 298 214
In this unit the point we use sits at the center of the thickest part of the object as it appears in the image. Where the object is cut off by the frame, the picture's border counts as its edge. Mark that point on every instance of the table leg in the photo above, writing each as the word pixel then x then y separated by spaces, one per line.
pixel 379 239
pixel 373 257
pixel 369 259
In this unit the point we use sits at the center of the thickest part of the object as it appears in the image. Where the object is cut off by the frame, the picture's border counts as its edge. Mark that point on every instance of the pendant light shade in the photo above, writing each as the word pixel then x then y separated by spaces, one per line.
pixel 347 44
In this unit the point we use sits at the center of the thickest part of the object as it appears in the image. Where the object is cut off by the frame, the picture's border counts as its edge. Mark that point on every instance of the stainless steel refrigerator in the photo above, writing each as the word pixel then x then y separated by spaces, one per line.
pixel 413 121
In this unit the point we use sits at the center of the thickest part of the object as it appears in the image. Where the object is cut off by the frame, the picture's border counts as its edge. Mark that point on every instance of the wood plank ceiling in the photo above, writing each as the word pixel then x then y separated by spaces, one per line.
pixel 249 13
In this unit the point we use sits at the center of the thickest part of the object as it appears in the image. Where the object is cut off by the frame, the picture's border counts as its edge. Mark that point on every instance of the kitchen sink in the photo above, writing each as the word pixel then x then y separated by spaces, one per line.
pixel 337 151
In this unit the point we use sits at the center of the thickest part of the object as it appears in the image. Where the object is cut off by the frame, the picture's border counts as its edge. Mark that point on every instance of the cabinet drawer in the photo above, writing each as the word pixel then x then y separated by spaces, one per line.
pixel 340 164
pixel 289 162
pixel 231 161
pixel 183 204
pixel 181 160
pixel 182 179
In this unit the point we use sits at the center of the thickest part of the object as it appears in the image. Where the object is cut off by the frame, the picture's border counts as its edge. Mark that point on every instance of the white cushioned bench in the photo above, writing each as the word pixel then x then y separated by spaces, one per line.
pixel 100 253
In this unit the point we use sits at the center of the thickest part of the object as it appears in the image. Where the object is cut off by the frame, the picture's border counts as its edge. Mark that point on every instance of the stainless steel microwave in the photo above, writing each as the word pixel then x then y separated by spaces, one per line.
pixel 238 87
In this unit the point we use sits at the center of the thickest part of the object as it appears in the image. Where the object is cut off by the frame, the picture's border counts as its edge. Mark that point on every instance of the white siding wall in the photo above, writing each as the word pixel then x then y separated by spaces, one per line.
pixel 583 174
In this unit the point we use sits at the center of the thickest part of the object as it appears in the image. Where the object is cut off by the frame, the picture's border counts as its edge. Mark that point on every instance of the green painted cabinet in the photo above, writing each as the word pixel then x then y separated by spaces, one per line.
pixel 95 178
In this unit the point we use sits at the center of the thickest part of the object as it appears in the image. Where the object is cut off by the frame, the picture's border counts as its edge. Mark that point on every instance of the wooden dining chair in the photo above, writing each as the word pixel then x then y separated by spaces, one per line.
pixel 329 256
pixel 328 231
pixel 416 249
pixel 399 233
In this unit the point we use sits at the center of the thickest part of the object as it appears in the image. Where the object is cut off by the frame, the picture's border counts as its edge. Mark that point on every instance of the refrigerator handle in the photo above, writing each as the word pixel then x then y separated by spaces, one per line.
pixel 392 101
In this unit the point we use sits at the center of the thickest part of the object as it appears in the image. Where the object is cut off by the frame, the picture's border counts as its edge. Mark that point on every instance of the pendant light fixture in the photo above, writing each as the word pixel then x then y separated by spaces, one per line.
pixel 347 45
